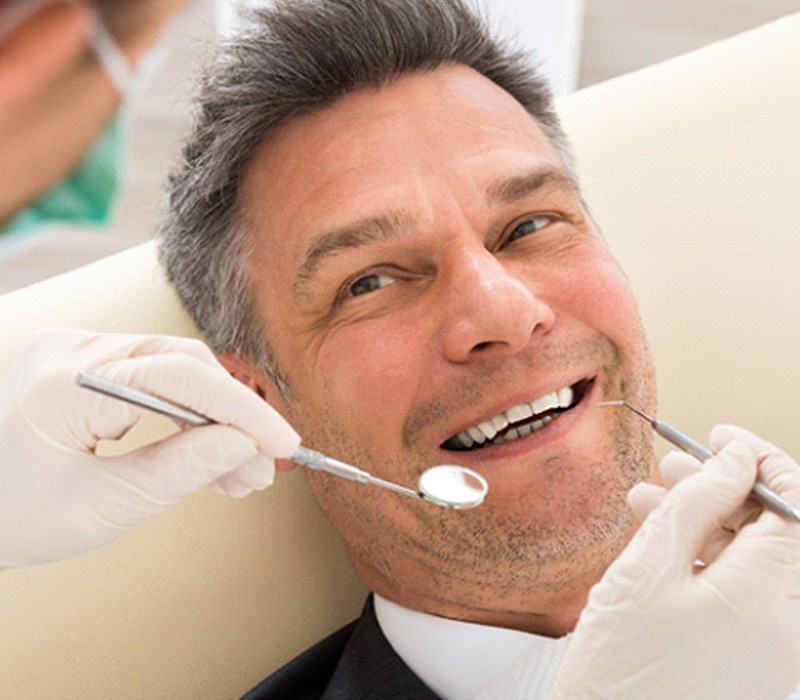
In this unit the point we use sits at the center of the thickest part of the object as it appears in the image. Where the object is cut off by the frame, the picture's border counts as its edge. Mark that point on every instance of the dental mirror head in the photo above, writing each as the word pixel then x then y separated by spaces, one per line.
pixel 451 486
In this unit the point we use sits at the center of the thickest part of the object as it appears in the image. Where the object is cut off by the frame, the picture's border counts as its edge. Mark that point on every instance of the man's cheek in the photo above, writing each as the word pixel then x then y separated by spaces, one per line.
pixel 605 297
pixel 371 375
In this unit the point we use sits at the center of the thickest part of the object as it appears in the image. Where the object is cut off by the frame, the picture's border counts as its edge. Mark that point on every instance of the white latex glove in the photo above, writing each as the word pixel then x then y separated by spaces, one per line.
pixel 58 499
pixel 659 628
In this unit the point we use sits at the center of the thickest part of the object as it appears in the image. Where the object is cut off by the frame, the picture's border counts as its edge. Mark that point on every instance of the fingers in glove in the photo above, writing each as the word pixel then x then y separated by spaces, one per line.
pixel 255 475
pixel 101 348
pixel 776 469
pixel 67 416
pixel 689 516
pixel 210 391
pixel 677 466
pixel 721 435
pixel 644 498
pixel 164 473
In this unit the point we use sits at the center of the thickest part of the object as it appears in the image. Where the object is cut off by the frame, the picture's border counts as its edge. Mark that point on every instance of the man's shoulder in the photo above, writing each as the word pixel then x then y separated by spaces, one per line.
pixel 307 676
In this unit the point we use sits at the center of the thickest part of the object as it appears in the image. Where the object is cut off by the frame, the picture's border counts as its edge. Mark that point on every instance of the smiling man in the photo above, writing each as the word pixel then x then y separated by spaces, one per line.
pixel 379 230
pixel 435 292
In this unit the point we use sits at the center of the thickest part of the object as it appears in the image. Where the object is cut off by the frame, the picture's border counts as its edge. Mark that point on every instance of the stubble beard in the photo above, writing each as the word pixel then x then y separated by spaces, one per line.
pixel 472 557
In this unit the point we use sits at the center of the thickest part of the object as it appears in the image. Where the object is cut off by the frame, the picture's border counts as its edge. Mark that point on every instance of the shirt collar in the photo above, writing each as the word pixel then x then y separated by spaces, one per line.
pixel 458 659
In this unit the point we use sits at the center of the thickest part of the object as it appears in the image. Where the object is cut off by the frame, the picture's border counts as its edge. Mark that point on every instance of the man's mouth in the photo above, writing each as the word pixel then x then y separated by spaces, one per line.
pixel 519 421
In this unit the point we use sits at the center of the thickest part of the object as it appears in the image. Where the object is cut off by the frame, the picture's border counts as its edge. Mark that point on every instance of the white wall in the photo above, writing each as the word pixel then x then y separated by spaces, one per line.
pixel 553 28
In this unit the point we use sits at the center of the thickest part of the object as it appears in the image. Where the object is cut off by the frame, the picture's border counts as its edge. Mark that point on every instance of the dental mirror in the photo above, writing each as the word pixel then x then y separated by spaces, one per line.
pixel 447 485
pixel 452 486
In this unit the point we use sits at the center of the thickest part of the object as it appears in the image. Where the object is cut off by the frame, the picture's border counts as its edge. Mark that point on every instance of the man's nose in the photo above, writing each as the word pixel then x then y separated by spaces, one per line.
pixel 490 311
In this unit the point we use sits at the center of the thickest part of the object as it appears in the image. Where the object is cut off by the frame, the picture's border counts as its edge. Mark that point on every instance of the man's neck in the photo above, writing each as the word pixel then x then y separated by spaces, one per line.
pixel 546 614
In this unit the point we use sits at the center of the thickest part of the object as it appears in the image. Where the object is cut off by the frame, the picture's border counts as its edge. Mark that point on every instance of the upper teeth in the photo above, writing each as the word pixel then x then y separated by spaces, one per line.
pixel 489 428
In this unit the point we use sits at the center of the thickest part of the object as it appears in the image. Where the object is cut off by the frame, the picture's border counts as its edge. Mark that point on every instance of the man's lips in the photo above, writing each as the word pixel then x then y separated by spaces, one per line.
pixel 519 421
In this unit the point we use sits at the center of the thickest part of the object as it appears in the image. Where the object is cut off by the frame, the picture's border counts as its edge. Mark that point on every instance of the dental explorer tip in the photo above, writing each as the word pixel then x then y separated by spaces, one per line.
pixel 637 411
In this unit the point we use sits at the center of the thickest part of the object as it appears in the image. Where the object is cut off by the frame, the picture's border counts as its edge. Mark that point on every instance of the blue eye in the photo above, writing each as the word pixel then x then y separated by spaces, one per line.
pixel 369 283
pixel 531 226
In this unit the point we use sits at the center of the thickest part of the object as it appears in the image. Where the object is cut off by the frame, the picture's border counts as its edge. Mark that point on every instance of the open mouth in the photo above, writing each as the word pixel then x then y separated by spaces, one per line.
pixel 519 421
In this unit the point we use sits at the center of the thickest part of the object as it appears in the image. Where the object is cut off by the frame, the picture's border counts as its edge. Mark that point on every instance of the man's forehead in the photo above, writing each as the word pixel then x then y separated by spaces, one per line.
pixel 329 164
pixel 462 92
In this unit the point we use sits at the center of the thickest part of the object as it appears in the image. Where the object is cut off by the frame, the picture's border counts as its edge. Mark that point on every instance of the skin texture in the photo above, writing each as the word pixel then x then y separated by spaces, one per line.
pixel 35 51
pixel 423 261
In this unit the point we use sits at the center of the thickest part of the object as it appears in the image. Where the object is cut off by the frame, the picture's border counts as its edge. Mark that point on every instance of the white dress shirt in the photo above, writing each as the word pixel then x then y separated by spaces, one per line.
pixel 459 659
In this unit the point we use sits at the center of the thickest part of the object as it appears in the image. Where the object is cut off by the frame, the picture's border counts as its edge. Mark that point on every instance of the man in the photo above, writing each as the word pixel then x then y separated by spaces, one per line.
pixel 378 229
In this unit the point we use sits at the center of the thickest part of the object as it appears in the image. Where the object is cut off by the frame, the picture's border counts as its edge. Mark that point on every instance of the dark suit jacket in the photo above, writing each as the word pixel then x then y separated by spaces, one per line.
pixel 355 663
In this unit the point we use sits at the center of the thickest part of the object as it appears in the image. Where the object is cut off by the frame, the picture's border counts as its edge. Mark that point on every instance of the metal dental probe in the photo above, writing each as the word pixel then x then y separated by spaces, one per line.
pixel 448 486
pixel 761 492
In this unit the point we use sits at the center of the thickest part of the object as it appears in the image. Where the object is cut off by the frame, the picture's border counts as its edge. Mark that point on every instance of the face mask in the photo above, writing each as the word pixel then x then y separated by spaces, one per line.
pixel 88 195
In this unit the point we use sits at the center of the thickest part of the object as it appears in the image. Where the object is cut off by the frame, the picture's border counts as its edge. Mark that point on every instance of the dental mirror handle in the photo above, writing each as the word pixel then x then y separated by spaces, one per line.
pixel 317 460
pixel 303 455
pixel 761 492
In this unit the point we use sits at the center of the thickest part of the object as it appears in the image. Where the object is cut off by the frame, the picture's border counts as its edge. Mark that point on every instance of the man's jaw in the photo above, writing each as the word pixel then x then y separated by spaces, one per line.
pixel 519 421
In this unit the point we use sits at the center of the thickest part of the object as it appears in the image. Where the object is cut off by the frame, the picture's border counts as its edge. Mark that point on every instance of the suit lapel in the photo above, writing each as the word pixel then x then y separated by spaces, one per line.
pixel 370 669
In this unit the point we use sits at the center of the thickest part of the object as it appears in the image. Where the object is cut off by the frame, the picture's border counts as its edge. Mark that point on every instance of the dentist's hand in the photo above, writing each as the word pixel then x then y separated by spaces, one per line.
pixel 657 626
pixel 59 499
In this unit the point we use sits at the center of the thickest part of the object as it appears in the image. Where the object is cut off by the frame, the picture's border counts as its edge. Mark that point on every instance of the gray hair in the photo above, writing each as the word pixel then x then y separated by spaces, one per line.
pixel 297 56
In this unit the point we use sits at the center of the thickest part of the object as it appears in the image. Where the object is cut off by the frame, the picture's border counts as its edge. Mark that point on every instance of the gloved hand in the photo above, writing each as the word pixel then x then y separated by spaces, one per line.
pixel 659 627
pixel 58 499
pixel 676 466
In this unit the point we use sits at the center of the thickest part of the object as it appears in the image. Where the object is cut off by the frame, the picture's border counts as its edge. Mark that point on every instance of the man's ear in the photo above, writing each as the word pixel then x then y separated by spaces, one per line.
pixel 254 378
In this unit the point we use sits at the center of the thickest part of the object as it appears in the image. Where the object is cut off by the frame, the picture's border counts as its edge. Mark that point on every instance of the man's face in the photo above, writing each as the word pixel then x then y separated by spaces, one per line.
pixel 426 274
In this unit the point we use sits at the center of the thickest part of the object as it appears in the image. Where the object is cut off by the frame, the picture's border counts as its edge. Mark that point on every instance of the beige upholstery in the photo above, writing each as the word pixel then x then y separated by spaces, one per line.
pixel 690 167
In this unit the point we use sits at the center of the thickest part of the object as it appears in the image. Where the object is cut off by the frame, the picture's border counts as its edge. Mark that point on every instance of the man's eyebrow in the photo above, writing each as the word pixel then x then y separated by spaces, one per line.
pixel 355 235
pixel 511 189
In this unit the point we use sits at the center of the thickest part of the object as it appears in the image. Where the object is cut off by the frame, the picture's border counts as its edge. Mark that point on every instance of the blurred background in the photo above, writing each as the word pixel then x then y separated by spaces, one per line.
pixel 579 43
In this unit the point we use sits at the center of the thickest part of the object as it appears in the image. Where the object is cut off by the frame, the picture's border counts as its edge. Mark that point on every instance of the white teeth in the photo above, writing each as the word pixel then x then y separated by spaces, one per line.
pixel 518 413
pixel 545 403
pixel 489 429
pixel 476 435
pixel 499 422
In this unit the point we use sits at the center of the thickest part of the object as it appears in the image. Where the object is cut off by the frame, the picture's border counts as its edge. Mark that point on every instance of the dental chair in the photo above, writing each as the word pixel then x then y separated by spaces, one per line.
pixel 692 170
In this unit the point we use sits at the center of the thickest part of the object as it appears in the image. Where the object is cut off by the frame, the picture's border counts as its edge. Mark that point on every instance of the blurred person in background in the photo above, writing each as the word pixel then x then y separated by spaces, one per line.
pixel 67 70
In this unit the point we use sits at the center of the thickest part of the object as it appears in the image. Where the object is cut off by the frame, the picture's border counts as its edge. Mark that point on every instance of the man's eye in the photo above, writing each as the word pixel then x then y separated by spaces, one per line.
pixel 531 226
pixel 369 283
